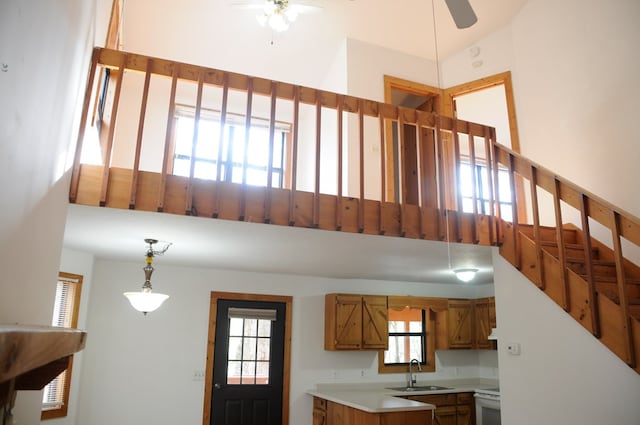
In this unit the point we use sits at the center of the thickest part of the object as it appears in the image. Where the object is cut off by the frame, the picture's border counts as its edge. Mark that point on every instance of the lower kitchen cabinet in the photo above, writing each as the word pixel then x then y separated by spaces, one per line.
pixel 331 413
pixel 451 409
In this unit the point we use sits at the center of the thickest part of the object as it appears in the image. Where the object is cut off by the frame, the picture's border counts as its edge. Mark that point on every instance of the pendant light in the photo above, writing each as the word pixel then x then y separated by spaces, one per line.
pixel 147 301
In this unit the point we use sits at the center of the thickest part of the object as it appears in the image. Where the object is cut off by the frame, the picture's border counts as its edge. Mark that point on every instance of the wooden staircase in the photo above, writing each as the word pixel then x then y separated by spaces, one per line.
pixel 587 287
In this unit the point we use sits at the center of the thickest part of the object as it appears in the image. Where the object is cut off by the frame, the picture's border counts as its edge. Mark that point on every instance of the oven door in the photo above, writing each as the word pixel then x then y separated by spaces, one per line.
pixel 487 409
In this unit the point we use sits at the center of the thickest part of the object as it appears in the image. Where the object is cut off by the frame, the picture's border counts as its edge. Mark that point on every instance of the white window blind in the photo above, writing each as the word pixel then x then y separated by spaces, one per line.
pixel 64 312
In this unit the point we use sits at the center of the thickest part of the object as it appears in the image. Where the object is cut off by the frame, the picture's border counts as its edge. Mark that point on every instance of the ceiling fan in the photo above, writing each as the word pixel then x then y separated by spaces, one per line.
pixel 462 13
pixel 278 14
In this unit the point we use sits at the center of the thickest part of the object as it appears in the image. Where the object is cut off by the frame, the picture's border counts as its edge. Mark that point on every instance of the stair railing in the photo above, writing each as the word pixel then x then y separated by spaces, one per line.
pixel 620 223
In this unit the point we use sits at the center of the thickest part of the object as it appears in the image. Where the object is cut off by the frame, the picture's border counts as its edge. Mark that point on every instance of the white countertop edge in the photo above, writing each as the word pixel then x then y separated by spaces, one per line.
pixel 372 402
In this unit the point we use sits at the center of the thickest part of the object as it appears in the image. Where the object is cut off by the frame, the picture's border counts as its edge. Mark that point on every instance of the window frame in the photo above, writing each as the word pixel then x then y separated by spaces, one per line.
pixel 481 173
pixel 431 308
pixel 62 410
pixel 283 134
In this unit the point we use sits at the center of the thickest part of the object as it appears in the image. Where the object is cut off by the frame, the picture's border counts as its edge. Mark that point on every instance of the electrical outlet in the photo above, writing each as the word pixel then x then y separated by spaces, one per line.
pixel 198 375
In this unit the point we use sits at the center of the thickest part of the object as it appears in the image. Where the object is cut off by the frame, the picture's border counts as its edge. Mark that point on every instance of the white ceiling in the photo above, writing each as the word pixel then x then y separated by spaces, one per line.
pixel 402 25
pixel 204 242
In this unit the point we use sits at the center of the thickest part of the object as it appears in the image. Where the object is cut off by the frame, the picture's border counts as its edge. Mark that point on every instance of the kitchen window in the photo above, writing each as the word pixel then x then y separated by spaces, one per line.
pixel 55 397
pixel 410 337
pixel 242 159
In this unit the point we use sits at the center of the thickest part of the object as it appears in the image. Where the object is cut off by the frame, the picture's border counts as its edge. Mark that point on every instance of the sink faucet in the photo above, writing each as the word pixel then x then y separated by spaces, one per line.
pixel 412 378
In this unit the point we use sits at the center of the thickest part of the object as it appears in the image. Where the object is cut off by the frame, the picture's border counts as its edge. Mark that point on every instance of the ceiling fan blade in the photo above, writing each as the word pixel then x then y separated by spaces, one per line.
pixel 462 13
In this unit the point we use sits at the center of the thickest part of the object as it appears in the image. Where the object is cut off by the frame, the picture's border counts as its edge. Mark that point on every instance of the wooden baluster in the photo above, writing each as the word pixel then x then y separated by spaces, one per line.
pixel 561 245
pixel 143 111
pixel 535 211
pixel 221 142
pixel 456 150
pixel 474 191
pixel 361 165
pixel 112 129
pixel 420 148
pixel 247 138
pixel 294 155
pixel 622 293
pixel 340 147
pixel 169 136
pixel 588 262
pixel 383 175
pixel 496 183
pixel 442 188
pixel 493 237
pixel 272 133
pixel 402 195
pixel 315 221
pixel 189 208
pixel 75 176
pixel 514 212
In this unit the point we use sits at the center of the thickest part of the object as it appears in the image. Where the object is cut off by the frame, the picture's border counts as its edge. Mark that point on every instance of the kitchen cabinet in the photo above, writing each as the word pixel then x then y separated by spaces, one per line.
pixel 356 322
pixel 451 409
pixel 319 411
pixel 460 324
pixel 469 323
pixel 340 414
pixel 485 320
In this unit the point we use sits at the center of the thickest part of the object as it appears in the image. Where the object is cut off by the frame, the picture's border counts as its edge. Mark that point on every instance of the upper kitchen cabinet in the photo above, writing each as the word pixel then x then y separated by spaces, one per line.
pixel 460 324
pixel 470 322
pixel 355 322
pixel 485 316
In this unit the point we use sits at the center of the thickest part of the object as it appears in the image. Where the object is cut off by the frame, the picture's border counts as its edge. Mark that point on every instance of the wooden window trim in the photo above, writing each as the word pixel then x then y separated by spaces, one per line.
pixel 286 373
pixel 431 306
pixel 62 411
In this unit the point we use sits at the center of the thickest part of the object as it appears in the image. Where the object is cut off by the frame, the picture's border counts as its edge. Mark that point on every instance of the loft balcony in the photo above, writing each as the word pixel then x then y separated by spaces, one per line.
pixel 159 135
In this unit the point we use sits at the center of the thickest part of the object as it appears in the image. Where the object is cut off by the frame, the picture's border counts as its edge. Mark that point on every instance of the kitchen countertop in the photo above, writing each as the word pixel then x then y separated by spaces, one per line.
pixel 377 398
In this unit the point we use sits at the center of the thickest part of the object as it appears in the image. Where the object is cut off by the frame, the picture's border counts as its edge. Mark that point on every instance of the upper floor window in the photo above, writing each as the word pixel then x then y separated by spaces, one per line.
pixel 242 159
pixel 55 397
pixel 483 191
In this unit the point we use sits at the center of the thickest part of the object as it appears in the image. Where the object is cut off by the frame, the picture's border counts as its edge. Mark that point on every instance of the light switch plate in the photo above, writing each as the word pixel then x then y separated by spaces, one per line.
pixel 513 348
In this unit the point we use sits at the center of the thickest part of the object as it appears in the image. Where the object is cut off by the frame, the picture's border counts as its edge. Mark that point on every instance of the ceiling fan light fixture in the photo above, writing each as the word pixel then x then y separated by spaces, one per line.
pixel 465 275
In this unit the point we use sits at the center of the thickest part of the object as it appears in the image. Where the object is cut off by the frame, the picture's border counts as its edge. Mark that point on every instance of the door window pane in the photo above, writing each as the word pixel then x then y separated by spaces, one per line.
pixel 249 350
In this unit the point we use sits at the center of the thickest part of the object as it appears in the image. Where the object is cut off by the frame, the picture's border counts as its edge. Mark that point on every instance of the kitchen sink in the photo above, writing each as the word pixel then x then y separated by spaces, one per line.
pixel 419 388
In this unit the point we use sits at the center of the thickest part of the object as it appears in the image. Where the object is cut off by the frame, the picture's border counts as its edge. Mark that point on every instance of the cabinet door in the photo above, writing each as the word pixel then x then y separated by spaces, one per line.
pixel 375 323
pixel 464 416
pixel 348 322
pixel 446 415
pixel 319 417
pixel 460 324
pixel 482 328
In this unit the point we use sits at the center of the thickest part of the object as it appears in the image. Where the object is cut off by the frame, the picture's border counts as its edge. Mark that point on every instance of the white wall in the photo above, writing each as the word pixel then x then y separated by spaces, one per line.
pixel 575 80
pixel 46 47
pixel 564 375
pixel 144 365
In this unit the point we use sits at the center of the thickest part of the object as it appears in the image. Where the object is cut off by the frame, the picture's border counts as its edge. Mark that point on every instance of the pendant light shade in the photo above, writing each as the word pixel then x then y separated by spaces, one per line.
pixel 465 275
pixel 146 301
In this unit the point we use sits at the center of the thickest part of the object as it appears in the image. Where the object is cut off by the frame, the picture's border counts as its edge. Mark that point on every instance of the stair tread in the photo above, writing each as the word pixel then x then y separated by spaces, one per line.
pixel 594 262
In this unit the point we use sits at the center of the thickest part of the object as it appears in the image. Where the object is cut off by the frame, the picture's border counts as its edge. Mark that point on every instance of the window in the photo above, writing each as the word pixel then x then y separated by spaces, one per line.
pixel 249 346
pixel 236 164
pixel 482 190
pixel 55 398
pixel 407 337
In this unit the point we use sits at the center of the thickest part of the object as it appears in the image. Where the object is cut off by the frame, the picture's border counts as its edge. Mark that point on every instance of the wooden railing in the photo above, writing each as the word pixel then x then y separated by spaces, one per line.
pixel 378 185
pixel 440 144
pixel 589 209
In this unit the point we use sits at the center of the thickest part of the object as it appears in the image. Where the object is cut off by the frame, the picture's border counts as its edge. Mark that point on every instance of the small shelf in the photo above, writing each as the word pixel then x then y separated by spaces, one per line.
pixel 31 356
